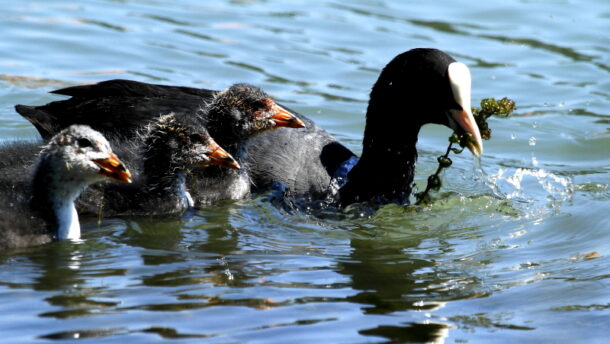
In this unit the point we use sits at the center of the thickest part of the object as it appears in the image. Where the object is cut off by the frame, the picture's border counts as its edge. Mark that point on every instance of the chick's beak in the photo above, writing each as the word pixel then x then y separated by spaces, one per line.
pixel 283 118
pixel 466 122
pixel 113 168
pixel 220 157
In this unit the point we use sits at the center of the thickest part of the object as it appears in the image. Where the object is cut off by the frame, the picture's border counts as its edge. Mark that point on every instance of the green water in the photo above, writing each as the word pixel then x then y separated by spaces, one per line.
pixel 515 250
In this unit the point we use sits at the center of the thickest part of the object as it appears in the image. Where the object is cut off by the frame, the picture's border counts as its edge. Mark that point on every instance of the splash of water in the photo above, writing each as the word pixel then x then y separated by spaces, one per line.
pixel 536 188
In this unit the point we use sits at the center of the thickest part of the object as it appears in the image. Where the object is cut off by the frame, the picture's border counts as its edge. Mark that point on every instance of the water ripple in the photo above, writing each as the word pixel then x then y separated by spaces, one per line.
pixel 538 188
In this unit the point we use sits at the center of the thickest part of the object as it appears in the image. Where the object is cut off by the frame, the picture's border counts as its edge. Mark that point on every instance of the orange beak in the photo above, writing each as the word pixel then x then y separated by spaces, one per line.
pixel 220 157
pixel 113 168
pixel 283 118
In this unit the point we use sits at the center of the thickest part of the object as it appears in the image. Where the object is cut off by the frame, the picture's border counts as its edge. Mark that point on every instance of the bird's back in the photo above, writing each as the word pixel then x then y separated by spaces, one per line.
pixel 116 107
pixel 303 160
pixel 19 226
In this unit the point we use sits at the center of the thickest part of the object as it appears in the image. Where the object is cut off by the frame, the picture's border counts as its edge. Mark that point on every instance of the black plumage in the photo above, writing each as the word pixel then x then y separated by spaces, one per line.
pixel 417 87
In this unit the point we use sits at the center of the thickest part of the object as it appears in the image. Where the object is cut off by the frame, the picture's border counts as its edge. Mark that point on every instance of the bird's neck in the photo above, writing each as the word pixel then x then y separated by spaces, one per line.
pixel 215 183
pixel 234 144
pixel 384 173
pixel 54 198
pixel 68 223
pixel 166 181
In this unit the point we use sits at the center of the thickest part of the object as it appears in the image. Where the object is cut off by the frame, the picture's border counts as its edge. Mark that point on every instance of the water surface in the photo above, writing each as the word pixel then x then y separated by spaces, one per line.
pixel 516 249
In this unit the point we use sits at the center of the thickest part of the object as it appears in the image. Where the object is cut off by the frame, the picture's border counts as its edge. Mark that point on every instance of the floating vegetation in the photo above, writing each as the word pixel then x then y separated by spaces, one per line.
pixel 489 107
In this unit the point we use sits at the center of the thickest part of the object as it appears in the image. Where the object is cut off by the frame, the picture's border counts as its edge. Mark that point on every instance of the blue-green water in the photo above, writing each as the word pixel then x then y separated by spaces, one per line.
pixel 517 250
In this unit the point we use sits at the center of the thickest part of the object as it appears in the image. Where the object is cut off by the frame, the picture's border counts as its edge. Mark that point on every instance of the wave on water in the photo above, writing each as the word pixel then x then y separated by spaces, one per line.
pixel 540 190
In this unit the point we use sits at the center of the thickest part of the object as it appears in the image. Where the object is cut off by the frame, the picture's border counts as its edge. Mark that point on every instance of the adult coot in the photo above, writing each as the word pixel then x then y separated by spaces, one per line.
pixel 41 208
pixel 417 87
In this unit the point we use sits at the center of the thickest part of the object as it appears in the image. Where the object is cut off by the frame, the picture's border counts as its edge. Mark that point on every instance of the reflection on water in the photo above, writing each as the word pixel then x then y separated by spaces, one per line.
pixel 390 265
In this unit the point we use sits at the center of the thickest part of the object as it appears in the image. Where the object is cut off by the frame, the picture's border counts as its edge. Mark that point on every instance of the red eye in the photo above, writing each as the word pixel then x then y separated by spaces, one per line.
pixel 267 103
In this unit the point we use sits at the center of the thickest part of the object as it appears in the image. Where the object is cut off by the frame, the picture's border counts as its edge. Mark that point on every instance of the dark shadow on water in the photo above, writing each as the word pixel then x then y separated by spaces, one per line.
pixel 161 237
pixel 411 333
pixel 59 272
pixel 85 334
pixel 384 276
pixel 389 281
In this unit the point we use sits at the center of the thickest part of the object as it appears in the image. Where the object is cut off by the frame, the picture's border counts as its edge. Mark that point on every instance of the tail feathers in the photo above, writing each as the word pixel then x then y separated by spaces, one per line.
pixel 39 118
pixel 101 88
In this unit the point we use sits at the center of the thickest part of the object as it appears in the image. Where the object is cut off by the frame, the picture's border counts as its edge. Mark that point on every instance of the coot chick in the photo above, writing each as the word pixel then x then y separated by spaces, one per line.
pixel 166 150
pixel 42 209
pixel 234 116
pixel 119 107
pixel 417 87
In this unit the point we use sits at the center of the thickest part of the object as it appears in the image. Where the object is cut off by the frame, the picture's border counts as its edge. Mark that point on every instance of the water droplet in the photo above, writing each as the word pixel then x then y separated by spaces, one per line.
pixel 532 141
pixel 229 275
